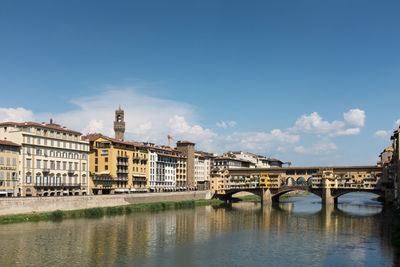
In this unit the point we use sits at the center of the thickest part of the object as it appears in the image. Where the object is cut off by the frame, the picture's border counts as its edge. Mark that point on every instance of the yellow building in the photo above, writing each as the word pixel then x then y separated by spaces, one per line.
pixel 9 166
pixel 219 180
pixel 181 174
pixel 269 180
pixel 117 166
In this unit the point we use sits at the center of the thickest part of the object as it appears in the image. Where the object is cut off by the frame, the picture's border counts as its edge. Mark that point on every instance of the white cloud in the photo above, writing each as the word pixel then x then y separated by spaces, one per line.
pixel 385 134
pixel 382 134
pixel 260 141
pixel 314 124
pixel 181 128
pixel 397 124
pixel 16 114
pixel 225 125
pixel 152 119
pixel 355 117
pixel 320 148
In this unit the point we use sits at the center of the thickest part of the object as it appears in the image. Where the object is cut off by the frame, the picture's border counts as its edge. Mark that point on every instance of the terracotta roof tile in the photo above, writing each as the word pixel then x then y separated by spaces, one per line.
pixel 8 143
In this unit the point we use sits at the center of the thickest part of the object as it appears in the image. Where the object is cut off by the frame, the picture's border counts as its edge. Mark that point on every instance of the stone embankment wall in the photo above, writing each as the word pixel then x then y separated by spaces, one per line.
pixel 45 204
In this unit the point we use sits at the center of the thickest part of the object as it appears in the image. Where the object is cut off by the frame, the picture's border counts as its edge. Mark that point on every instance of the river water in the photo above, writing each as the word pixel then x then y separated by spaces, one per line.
pixel 297 232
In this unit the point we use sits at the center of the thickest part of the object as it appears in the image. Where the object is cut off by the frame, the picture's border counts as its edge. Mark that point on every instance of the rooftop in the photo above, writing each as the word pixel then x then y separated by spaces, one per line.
pixel 51 125
pixel 8 143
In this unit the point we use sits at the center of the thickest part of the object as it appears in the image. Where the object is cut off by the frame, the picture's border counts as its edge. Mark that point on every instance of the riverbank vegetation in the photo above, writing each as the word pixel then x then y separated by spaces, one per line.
pixel 105 211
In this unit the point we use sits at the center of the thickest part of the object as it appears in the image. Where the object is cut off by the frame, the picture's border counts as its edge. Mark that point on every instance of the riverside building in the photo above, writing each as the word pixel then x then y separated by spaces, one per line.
pixel 395 164
pixel 203 163
pixel 163 168
pixel 117 166
pixel 9 169
pixel 53 159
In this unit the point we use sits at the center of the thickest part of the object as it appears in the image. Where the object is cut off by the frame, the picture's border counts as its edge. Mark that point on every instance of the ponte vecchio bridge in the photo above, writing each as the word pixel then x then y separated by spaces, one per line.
pixel 329 183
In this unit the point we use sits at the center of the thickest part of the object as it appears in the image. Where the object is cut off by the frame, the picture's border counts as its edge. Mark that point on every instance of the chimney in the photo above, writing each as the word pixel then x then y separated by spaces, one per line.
pixel 51 121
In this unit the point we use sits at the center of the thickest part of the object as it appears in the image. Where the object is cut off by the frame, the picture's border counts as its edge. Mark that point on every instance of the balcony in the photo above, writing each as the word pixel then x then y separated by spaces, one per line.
pixel 122 157
pixel 57 185
pixel 123 179
pixel 122 163
pixel 138 178
pixel 122 171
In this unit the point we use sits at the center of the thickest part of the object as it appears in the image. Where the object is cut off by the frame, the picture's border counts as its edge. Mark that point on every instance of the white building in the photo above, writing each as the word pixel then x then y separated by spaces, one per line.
pixel 163 168
pixel 53 160
pixel 203 164
pixel 257 161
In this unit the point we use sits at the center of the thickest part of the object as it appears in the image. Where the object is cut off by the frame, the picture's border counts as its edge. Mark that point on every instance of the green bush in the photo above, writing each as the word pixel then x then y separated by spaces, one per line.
pixel 57 215
pixel 94 212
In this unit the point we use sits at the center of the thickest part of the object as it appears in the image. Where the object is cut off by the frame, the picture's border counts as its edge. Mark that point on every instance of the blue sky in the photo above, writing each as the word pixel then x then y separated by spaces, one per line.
pixel 271 77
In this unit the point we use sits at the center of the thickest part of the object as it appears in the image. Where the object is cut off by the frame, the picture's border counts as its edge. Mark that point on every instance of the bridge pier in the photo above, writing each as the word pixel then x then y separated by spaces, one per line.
pixel 266 196
pixel 327 198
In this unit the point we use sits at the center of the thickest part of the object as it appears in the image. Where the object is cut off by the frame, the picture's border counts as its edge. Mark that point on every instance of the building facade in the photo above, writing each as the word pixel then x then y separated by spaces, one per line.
pixel 163 168
pixel 187 150
pixel 117 166
pixel 203 164
pixel 256 161
pixel 53 159
pixel 9 168
pixel 395 164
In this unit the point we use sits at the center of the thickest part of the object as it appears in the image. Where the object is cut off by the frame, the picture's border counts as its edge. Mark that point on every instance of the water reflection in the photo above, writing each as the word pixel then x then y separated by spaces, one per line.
pixel 297 232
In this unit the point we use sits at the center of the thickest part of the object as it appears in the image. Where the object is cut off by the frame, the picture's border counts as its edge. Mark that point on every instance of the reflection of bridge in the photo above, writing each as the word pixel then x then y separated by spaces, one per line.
pixel 329 183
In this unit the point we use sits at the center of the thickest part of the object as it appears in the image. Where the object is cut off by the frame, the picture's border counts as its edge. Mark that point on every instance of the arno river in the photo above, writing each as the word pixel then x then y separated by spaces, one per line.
pixel 297 232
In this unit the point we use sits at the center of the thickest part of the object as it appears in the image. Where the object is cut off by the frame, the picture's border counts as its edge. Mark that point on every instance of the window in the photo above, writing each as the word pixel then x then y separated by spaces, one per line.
pixel 104 152
pixel 1 160
pixel 76 166
pixel 83 166
pixel 106 159
pixel 96 161
pixel 28 139
pixel 28 163
pixel 1 175
pixel 58 165
pixel 106 167
pixel 64 165
pixel 28 179
pixel 14 162
pixel 38 152
pixel 38 164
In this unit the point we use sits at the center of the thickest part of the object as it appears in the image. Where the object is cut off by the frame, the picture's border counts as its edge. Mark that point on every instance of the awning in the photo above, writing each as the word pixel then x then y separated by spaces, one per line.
pixel 121 190
pixel 3 193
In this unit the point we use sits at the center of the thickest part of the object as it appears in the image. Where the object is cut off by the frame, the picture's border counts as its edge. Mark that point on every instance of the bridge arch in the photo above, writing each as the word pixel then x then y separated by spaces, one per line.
pixel 340 193
pixel 309 181
pixel 301 180
pixel 290 181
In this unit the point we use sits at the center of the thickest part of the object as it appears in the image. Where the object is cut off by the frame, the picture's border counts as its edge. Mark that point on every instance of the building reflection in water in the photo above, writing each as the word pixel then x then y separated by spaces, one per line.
pixel 153 238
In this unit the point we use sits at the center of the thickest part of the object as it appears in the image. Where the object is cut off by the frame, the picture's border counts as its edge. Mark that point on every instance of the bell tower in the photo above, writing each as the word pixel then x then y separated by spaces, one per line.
pixel 119 124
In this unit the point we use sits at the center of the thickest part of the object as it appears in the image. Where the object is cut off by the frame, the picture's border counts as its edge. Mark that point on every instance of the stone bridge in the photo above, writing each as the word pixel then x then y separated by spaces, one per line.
pixel 328 195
